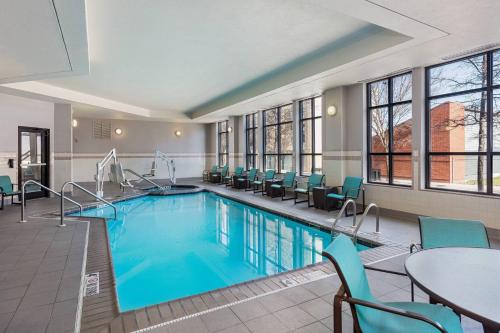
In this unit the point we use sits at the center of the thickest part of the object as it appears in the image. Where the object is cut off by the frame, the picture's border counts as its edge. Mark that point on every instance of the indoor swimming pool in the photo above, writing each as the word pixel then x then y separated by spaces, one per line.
pixel 165 248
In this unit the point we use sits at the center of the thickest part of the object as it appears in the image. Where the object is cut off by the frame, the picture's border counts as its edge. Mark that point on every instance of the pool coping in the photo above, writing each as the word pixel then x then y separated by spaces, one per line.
pixel 142 319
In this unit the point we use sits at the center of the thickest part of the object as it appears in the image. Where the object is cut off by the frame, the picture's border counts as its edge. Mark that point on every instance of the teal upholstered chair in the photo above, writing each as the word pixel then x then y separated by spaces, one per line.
pixel 229 179
pixel 314 180
pixel 248 179
pixel 351 189
pixel 207 173
pixel 7 189
pixel 441 232
pixel 288 183
pixel 373 316
pixel 218 177
pixel 260 183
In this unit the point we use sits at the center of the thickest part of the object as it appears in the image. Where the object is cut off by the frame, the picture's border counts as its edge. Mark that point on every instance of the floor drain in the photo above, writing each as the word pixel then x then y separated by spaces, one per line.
pixel 92 284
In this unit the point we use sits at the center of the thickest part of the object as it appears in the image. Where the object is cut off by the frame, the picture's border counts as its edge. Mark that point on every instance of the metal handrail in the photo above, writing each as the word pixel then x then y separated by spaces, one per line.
pixel 377 225
pixel 143 178
pixel 86 191
pixel 339 215
pixel 23 201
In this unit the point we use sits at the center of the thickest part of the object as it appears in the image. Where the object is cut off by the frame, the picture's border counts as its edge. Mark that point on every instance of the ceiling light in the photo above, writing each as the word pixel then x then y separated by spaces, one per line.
pixel 118 131
pixel 332 110
pixel 74 123
pixel 178 133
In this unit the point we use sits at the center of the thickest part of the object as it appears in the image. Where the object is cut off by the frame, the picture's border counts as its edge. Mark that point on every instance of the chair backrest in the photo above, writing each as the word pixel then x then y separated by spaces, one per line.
pixel 289 179
pixel 352 186
pixel 225 171
pixel 269 174
pixel 315 180
pixel 239 171
pixel 344 256
pixel 252 174
pixel 438 232
pixel 6 184
pixel 214 168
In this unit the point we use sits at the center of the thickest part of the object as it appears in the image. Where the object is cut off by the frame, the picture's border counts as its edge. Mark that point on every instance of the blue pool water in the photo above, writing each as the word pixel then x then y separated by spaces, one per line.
pixel 164 248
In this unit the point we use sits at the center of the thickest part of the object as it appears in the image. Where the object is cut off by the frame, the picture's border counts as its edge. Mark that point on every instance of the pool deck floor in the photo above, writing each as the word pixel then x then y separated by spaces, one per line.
pixel 41 269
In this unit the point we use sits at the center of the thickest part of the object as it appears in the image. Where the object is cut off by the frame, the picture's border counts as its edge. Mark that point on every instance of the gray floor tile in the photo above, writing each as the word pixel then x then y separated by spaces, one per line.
pixel 236 329
pixel 187 326
pixel 33 320
pixel 249 310
pixel 294 317
pixel 5 320
pixel 220 319
pixel 318 308
pixel 275 302
pixel 316 327
pixel 9 305
pixel 266 324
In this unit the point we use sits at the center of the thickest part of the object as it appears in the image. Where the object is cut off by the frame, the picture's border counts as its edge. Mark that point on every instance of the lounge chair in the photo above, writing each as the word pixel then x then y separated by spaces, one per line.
pixel 373 316
pixel 229 179
pixel 351 189
pixel 218 177
pixel 439 232
pixel 7 189
pixel 260 183
pixel 315 180
pixel 245 181
pixel 207 173
pixel 288 183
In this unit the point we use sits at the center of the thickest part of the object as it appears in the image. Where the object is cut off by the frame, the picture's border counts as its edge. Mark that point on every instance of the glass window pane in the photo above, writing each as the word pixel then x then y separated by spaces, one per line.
pixel 270 117
pixel 306 163
pixel 222 126
pixel 286 139
pixel 250 121
pixel 380 130
pixel 318 143
pixel 222 160
pixel 379 92
pixel 250 161
pixel 286 113
pixel 401 88
pixel 496 120
pixel 401 170
pixel 458 172
pixel 250 142
pixel 318 164
pixel 458 123
pixel 458 76
pixel 271 162
pixel 402 128
pixel 496 174
pixel 379 171
pixel 306 109
pixel 223 143
pixel 255 120
pixel 496 67
pixel 286 163
pixel 306 139
pixel 318 107
pixel 271 135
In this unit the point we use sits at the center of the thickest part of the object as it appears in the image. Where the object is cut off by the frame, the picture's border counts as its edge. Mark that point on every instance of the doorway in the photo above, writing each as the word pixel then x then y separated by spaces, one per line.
pixel 33 159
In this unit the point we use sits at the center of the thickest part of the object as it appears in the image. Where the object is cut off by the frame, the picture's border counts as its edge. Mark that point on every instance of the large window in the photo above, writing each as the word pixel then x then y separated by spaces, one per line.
pixel 310 136
pixel 463 124
pixel 250 130
pixel 222 134
pixel 278 138
pixel 390 130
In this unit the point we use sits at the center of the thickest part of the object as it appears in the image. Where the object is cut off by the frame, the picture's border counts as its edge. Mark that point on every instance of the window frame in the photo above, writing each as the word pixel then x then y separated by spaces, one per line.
pixel 278 124
pixel 219 135
pixel 390 154
pixel 312 119
pixel 251 131
pixel 489 153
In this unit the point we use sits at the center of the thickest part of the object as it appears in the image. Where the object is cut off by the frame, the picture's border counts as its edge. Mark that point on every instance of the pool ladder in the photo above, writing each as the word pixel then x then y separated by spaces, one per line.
pixel 357 225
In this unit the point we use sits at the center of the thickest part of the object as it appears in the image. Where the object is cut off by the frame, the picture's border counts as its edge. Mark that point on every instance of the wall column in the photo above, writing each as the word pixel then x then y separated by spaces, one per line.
pixel 63 144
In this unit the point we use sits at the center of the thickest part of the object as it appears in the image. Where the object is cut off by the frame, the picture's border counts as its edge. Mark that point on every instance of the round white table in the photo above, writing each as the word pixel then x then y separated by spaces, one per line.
pixel 465 279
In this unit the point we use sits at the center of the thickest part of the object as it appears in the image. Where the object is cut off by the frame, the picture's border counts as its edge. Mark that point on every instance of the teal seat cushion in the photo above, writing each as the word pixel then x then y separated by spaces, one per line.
pixel 258 182
pixel 241 179
pixel 375 321
pixel 276 186
pixel 301 190
pixel 336 196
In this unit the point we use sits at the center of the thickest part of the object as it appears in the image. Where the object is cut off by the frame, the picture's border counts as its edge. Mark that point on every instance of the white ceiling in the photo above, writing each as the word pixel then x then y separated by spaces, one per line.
pixel 178 59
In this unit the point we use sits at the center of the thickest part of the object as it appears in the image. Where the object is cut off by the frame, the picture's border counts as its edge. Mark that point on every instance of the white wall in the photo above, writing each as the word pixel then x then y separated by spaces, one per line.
pixel 136 144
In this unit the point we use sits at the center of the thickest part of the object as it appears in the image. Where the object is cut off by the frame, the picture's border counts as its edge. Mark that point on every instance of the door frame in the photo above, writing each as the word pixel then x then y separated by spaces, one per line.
pixel 45 150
